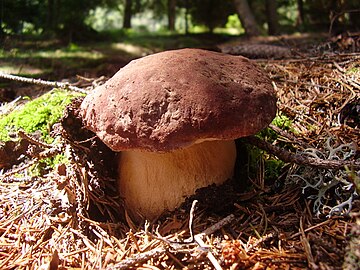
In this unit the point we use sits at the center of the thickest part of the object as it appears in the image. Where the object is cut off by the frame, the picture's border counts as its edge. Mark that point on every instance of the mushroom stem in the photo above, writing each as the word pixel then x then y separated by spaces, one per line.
pixel 153 182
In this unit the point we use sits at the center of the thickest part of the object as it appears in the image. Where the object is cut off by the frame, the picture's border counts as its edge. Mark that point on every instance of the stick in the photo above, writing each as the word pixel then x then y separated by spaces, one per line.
pixel 157 252
pixel 288 136
pixel 210 256
pixel 198 238
pixel 191 219
pixel 51 152
pixel 290 157
pixel 33 140
pixel 65 86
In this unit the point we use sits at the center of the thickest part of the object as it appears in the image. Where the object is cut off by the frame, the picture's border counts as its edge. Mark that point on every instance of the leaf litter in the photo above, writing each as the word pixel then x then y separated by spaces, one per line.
pixel 71 217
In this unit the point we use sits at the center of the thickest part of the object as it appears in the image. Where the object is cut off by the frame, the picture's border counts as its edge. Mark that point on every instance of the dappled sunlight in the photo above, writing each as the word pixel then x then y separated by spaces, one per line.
pixel 19 69
pixel 86 53
pixel 292 200
pixel 131 49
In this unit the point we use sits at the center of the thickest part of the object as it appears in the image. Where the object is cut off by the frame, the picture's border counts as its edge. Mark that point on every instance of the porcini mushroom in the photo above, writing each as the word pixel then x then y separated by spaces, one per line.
pixel 174 116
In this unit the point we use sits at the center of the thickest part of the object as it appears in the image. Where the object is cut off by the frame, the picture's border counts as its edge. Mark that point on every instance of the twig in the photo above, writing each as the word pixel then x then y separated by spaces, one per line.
pixel 290 157
pixel 210 256
pixel 288 136
pixel 33 140
pixel 139 258
pixel 336 16
pixel 191 230
pixel 198 239
pixel 311 228
pixel 191 219
pixel 307 248
pixel 259 241
pixel 157 252
pixel 65 86
pixel 218 225
pixel 42 155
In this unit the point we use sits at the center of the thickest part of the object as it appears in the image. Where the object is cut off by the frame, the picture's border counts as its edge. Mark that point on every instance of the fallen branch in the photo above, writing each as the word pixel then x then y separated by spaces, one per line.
pixel 290 157
pixel 65 86
pixel 288 136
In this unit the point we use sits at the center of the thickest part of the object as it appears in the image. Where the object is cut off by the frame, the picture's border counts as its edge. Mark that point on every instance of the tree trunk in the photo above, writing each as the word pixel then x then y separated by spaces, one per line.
pixel 300 15
pixel 171 14
pixel 51 16
pixel 2 34
pixel 127 14
pixel 187 7
pixel 272 17
pixel 247 17
pixel 210 11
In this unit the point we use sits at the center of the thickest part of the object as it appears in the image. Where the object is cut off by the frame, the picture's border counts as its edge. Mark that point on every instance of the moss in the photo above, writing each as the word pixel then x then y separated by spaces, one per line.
pixel 353 70
pixel 37 115
pixel 273 168
pixel 281 121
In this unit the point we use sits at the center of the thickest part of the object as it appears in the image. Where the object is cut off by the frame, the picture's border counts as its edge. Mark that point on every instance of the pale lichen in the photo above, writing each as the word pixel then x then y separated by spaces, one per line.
pixel 332 190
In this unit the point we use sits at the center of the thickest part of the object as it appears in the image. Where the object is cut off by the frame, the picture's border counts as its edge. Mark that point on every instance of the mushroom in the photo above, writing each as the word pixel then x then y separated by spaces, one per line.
pixel 173 116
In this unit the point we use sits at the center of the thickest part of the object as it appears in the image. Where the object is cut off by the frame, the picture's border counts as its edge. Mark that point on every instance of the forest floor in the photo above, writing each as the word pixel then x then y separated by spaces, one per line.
pixel 300 217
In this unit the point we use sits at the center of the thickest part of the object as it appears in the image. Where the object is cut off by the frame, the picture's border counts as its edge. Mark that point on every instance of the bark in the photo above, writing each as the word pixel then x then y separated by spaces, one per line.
pixel 51 15
pixel 187 7
pixel 300 10
pixel 272 17
pixel 247 17
pixel 1 24
pixel 171 14
pixel 299 159
pixel 209 22
pixel 127 14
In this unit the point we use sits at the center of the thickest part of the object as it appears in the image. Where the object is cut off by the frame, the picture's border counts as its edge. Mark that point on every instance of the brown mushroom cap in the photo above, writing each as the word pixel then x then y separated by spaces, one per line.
pixel 173 99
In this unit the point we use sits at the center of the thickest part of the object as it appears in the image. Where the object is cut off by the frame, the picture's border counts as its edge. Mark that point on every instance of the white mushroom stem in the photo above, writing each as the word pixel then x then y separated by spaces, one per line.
pixel 152 182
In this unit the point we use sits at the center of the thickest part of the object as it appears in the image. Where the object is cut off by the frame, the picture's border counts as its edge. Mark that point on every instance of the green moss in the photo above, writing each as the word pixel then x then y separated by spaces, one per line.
pixel 37 115
pixel 273 168
pixel 353 70
pixel 281 121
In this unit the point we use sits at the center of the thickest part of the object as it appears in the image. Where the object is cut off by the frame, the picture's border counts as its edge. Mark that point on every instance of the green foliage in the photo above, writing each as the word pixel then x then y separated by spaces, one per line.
pixel 37 115
pixel 273 168
pixel 75 20
pixel 211 13
pixel 65 18
pixel 233 22
pixel 14 13
pixel 281 121
pixel 353 70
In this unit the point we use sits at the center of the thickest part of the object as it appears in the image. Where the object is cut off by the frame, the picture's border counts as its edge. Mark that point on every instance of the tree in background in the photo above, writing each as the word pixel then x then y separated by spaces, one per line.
pixel 67 19
pixel 14 14
pixel 161 8
pixel 210 13
pixel 272 17
pixel 300 13
pixel 63 18
pixel 247 18
pixel 171 12
pixel 329 15
pixel 128 11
